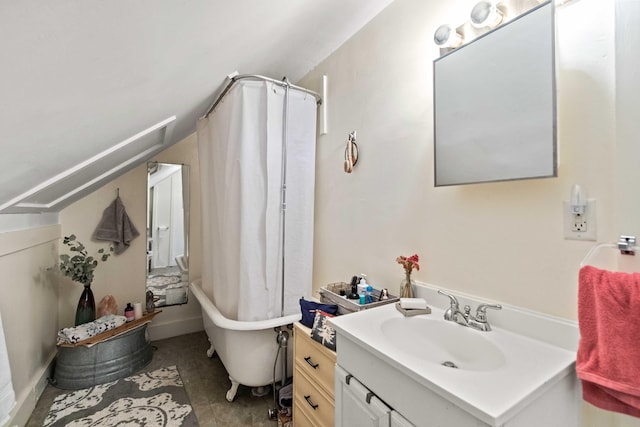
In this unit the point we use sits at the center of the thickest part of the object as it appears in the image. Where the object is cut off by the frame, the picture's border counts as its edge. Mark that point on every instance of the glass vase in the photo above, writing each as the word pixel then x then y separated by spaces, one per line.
pixel 406 287
pixel 86 311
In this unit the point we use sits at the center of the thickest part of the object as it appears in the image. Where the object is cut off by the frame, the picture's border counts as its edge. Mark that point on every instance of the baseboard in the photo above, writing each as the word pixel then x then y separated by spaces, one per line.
pixel 162 330
pixel 26 403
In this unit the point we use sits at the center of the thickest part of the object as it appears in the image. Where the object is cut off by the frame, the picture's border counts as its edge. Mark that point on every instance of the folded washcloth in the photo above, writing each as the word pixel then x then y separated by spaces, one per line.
pixel 413 303
pixel 88 330
pixel 608 359
pixel 116 227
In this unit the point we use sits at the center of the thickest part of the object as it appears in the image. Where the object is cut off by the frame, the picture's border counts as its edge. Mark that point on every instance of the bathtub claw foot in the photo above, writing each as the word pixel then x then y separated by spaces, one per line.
pixel 231 394
pixel 211 351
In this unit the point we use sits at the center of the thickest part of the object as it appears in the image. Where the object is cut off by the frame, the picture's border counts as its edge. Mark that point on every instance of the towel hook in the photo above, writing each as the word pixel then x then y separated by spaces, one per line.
pixel 350 153
pixel 118 192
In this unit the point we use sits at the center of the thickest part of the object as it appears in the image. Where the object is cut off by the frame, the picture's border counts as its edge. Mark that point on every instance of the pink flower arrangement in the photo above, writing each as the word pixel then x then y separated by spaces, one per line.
pixel 409 263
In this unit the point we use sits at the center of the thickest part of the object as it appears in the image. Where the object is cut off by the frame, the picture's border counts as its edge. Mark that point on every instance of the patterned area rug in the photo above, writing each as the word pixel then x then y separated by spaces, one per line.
pixel 163 280
pixel 154 398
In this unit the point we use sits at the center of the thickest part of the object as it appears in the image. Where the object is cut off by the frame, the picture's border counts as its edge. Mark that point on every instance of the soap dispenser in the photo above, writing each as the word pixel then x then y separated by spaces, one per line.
pixel 362 286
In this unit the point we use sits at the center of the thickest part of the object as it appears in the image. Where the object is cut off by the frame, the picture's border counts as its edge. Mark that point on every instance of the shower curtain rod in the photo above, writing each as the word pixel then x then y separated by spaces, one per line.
pixel 234 79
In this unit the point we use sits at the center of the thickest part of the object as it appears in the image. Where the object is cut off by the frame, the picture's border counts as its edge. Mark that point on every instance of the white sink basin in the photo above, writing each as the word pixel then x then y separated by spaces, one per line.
pixel 499 372
pixel 443 343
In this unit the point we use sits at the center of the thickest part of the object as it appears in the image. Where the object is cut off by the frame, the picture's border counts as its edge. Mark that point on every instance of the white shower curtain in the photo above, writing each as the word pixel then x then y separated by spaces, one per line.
pixel 241 166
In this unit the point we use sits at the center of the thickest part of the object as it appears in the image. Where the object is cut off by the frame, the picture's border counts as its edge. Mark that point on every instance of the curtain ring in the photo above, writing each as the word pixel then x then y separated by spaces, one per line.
pixel 350 153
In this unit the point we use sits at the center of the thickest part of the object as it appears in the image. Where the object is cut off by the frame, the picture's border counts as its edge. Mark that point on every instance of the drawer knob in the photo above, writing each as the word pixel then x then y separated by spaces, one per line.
pixel 313 405
pixel 313 365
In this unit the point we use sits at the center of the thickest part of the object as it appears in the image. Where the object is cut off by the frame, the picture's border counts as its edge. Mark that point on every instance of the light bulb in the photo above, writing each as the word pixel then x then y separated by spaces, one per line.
pixel 447 36
pixel 486 14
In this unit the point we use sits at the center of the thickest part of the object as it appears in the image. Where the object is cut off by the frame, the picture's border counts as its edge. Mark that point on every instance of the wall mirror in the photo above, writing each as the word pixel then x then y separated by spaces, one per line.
pixel 495 104
pixel 168 233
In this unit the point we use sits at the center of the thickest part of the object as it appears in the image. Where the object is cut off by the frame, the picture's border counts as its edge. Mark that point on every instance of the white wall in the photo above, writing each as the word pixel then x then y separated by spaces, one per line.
pixel 499 241
pixel 29 290
pixel 627 124
pixel 502 241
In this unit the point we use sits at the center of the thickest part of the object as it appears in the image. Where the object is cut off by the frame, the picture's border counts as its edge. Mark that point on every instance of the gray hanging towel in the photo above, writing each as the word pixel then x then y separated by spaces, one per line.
pixel 116 227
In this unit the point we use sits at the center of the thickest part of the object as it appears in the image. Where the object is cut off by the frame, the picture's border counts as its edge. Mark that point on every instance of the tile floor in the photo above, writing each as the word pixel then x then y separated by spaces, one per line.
pixel 205 381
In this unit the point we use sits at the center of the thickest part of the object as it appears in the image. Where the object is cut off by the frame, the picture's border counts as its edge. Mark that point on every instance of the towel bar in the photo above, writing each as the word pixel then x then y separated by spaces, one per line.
pixel 626 245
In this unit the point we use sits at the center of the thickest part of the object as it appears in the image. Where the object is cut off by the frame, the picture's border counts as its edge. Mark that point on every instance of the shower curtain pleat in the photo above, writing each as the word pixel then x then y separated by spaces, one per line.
pixel 273 227
pixel 301 164
pixel 240 153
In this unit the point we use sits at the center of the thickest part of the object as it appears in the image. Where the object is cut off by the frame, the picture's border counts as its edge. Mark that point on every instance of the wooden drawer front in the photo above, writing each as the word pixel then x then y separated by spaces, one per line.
pixel 300 419
pixel 317 363
pixel 313 402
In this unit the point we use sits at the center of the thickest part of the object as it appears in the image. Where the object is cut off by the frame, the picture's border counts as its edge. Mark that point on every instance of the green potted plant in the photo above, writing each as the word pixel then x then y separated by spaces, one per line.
pixel 80 267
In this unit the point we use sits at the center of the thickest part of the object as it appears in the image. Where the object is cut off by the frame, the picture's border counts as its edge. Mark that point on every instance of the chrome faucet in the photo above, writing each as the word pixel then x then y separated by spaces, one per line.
pixel 453 313
pixel 464 318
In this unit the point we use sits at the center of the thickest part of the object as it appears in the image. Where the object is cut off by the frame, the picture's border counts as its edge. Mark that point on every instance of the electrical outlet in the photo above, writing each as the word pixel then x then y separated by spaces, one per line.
pixel 580 226
pixel 579 223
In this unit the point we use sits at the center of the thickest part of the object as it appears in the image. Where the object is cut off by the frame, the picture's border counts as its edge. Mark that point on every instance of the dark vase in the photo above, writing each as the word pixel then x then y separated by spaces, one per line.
pixel 86 311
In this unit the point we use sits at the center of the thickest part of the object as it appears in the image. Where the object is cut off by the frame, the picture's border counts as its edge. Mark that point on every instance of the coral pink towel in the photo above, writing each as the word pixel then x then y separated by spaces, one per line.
pixel 608 360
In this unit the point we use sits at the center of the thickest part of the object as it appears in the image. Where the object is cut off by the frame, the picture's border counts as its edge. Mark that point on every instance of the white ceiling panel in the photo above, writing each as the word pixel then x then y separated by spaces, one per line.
pixel 78 77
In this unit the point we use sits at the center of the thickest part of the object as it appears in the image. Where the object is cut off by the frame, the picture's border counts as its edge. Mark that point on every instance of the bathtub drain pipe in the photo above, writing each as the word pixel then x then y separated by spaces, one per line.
pixel 283 342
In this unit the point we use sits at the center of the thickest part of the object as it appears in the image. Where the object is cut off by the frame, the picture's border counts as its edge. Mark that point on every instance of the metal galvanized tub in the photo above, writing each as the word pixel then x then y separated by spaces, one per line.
pixel 118 357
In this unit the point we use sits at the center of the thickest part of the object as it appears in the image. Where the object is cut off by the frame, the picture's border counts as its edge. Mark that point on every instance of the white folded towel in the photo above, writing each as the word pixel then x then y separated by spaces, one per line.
pixel 90 329
pixel 413 303
pixel 7 395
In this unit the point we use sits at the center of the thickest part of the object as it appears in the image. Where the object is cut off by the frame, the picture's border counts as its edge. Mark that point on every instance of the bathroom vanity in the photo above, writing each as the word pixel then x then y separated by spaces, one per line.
pixel 427 371
pixel 313 380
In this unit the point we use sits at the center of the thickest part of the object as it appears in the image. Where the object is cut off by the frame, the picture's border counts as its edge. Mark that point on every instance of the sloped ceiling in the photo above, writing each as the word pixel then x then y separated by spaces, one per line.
pixel 80 79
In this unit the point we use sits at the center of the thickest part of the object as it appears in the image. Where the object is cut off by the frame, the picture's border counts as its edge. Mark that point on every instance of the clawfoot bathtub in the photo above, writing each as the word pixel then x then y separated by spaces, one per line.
pixel 248 350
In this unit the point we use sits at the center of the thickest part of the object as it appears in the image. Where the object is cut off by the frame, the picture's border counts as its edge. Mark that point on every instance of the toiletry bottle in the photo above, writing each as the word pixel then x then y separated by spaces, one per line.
pixel 362 286
pixel 354 288
pixel 369 298
pixel 129 313
pixel 362 290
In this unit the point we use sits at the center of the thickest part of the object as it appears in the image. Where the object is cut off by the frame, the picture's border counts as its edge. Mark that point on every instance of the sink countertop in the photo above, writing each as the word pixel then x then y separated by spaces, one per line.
pixel 494 395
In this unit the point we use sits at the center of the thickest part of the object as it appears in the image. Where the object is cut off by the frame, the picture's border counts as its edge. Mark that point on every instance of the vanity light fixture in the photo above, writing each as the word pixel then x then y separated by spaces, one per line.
pixel 447 37
pixel 486 14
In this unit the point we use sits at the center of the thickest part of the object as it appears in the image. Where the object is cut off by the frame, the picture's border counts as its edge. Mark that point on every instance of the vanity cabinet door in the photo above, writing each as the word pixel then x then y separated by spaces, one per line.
pixel 357 406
